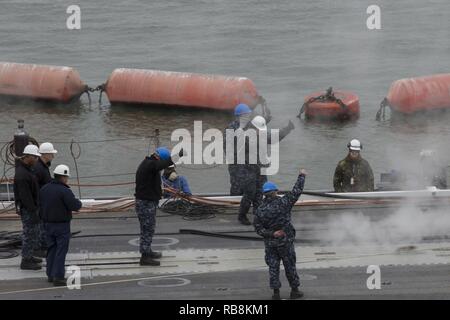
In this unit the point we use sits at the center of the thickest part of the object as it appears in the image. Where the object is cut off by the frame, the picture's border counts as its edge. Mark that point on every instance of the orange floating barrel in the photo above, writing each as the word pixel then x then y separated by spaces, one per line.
pixel 331 105
pixel 156 87
pixel 420 94
pixel 60 84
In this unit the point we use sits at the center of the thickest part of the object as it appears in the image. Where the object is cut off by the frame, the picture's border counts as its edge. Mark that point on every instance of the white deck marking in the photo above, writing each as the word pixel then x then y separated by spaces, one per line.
pixel 220 260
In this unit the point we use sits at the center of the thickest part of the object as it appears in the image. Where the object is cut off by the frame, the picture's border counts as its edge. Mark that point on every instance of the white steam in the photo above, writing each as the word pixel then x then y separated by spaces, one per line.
pixel 409 224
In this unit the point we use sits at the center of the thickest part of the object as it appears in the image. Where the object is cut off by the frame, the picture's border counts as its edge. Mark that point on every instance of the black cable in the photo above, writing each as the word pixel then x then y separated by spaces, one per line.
pixel 223 235
pixel 76 156
pixel 8 254
pixel 95 141
pixel 109 175
pixel 230 236
pixel 193 211
pixel 10 242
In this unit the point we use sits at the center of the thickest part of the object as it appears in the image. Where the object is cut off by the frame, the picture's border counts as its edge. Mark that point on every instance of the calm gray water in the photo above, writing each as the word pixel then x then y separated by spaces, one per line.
pixel 288 48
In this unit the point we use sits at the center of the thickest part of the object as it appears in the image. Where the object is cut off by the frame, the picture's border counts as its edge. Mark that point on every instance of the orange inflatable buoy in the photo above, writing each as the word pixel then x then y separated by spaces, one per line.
pixel 329 105
pixel 420 94
pixel 155 87
pixel 61 84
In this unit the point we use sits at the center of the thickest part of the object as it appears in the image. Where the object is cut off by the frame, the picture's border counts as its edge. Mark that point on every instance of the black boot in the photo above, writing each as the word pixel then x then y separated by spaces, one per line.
pixel 36 260
pixel 147 260
pixel 50 279
pixel 244 220
pixel 28 264
pixel 276 294
pixel 155 255
pixel 296 294
pixel 60 282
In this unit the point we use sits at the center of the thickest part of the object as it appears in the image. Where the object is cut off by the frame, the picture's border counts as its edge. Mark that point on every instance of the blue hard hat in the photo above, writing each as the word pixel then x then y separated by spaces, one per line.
pixel 269 186
pixel 163 153
pixel 241 109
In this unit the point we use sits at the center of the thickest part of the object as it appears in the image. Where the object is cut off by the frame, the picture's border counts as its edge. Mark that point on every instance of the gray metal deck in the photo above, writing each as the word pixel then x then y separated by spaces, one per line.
pixel 334 248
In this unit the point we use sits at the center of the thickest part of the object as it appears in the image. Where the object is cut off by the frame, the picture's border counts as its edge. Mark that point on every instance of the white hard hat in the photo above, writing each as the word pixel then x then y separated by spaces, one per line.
pixel 62 170
pixel 31 150
pixel 259 122
pixel 47 147
pixel 355 145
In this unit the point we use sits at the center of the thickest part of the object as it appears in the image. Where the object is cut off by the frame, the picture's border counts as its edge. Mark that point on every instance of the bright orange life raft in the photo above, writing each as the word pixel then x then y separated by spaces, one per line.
pixel 155 87
pixel 60 84
pixel 329 105
pixel 420 94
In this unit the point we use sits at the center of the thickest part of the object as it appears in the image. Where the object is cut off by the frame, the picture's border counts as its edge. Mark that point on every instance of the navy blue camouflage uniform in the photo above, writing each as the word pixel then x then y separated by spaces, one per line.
pixel 42 173
pixel 233 168
pixel 275 214
pixel 252 180
pixel 148 193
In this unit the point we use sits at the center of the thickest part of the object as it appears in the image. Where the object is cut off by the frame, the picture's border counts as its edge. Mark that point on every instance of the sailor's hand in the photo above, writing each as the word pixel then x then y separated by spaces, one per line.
pixel 279 234
pixel 303 172
pixel 261 100
pixel 290 125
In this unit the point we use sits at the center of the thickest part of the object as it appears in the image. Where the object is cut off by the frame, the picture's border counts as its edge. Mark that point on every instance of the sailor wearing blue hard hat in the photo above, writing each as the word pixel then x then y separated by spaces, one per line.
pixel 273 222
pixel 148 193
pixel 243 115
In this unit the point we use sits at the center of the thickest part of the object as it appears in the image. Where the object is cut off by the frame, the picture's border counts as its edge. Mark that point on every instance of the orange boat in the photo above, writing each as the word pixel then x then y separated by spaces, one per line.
pixel 154 87
pixel 420 94
pixel 60 84
pixel 329 105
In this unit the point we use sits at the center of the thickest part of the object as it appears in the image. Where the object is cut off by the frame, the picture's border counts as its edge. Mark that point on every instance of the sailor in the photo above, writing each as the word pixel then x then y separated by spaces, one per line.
pixel 57 204
pixel 26 198
pixel 273 222
pixel 148 193
pixel 243 115
pixel 251 180
pixel 42 171
pixel 170 178
pixel 42 166
pixel 353 174
pixel 433 173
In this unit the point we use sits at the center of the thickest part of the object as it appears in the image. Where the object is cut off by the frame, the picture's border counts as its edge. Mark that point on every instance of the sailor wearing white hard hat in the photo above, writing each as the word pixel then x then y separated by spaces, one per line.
pixel 353 174
pixel 26 198
pixel 57 204
pixel 42 171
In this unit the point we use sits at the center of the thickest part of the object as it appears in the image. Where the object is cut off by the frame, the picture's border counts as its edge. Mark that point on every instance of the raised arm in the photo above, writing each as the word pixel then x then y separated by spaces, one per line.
pixel 162 164
pixel 290 198
pixel 282 134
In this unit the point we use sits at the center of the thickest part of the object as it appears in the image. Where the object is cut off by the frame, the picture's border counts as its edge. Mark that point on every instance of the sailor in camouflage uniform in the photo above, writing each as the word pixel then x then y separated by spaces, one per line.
pixel 243 115
pixel 353 174
pixel 273 222
pixel 26 197
pixel 148 193
pixel 251 178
